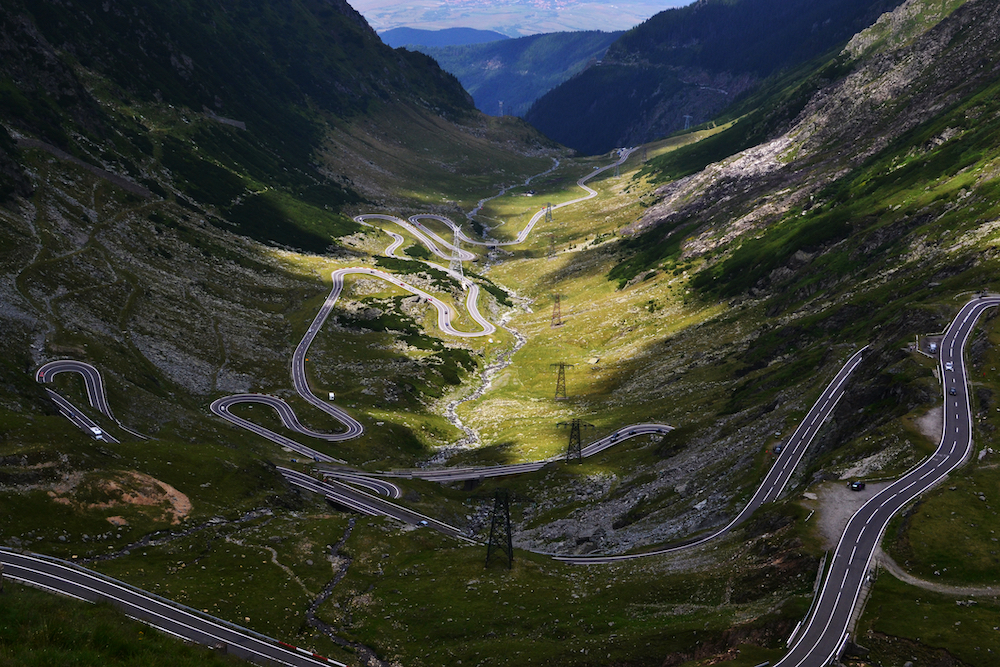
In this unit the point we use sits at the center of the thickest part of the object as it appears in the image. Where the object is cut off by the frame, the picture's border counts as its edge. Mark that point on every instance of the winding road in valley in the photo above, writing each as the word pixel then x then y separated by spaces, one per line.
pixel 777 477
pixel 824 635
pixel 818 641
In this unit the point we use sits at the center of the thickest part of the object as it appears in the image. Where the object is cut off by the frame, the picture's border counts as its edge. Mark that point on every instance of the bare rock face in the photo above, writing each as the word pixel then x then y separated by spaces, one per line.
pixel 898 81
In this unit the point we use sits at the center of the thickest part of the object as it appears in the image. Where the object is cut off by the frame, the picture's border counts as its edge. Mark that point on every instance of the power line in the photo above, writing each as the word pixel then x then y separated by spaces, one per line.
pixel 456 254
pixel 501 540
pixel 575 449
pixel 561 379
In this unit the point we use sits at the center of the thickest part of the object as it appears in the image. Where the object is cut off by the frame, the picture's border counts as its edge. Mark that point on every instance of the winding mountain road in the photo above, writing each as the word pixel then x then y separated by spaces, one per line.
pixel 776 479
pixel 96 395
pixel 824 635
pixel 522 236
pixel 445 319
pixel 819 641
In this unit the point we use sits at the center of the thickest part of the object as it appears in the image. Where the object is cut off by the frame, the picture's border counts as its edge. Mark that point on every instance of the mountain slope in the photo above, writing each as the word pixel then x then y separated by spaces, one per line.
pixel 231 107
pixel 683 66
pixel 880 104
pixel 519 71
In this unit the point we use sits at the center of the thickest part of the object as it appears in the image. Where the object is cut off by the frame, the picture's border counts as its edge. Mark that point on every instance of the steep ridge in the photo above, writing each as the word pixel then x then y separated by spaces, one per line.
pixel 506 77
pixel 683 66
pixel 229 107
pixel 890 114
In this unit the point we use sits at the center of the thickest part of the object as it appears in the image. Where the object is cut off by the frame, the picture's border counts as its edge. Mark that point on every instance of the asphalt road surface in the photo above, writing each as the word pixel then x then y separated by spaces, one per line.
pixel 95 395
pixel 67 579
pixel 368 504
pixel 824 635
pixel 775 480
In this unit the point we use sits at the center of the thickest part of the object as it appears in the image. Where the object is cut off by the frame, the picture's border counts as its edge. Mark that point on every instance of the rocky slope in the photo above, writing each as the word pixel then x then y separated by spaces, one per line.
pixel 875 198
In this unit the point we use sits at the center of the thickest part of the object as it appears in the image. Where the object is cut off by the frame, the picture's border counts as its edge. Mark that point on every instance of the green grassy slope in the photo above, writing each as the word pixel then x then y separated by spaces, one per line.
pixel 177 305
pixel 37 628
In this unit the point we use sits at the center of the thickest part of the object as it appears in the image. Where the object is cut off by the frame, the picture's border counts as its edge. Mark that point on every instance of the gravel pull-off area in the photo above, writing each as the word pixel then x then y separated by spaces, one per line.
pixel 835 504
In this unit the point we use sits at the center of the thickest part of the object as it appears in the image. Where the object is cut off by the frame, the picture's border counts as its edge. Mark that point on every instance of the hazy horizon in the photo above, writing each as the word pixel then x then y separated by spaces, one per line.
pixel 513 18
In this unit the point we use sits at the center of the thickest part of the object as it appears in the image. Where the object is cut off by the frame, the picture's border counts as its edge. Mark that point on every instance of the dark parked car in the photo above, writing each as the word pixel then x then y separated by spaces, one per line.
pixel 857 486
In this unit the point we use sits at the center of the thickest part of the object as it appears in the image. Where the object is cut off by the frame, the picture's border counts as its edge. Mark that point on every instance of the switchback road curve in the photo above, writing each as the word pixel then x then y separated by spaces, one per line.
pixel 446 316
pixel 96 395
pixel 825 633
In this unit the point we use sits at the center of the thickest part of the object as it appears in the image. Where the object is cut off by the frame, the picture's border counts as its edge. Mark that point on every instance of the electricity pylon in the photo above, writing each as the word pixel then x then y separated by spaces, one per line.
pixel 501 540
pixel 552 245
pixel 548 213
pixel 556 311
pixel 575 448
pixel 561 379
pixel 456 255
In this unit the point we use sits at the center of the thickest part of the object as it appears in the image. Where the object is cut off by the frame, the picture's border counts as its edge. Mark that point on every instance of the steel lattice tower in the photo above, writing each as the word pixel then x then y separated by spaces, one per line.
pixel 561 379
pixel 548 213
pixel 501 539
pixel 456 256
pixel 556 311
pixel 575 448
pixel 552 245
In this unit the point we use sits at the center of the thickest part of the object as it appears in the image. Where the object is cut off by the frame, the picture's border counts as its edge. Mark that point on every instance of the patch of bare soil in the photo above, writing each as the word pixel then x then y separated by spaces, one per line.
pixel 122 489
pixel 932 423
pixel 835 504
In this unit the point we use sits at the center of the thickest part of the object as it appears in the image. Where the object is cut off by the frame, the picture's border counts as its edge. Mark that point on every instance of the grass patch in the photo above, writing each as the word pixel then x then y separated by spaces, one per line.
pixel 902 622
pixel 41 629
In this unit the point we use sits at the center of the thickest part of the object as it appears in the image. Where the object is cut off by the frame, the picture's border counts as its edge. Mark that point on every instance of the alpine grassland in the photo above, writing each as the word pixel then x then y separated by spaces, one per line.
pixel 38 628
pixel 714 285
